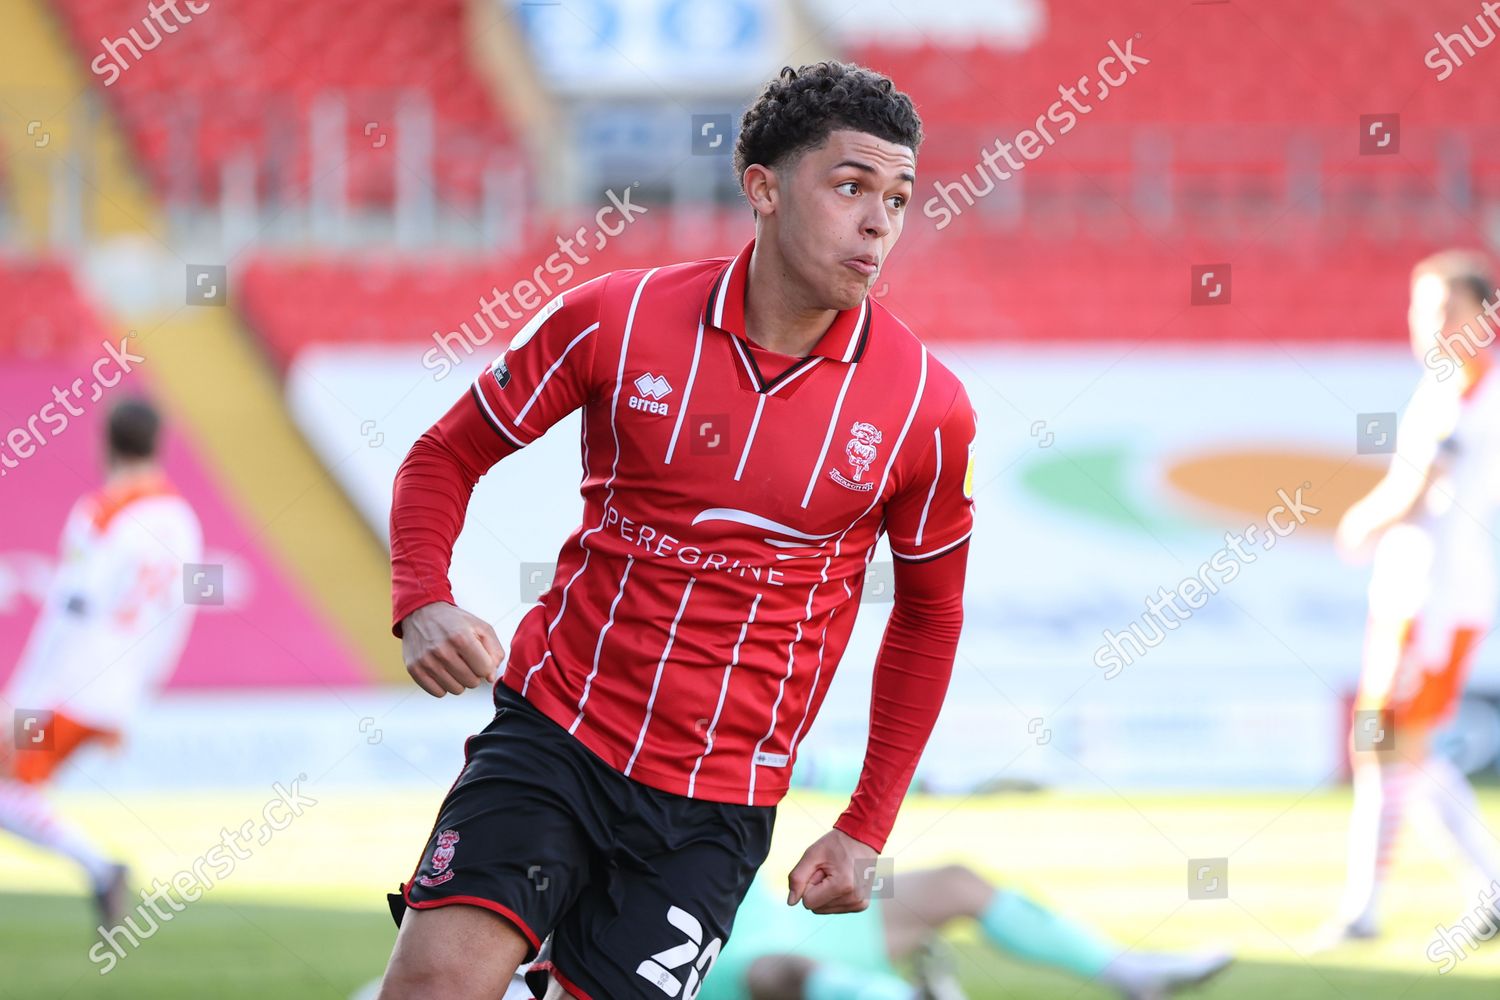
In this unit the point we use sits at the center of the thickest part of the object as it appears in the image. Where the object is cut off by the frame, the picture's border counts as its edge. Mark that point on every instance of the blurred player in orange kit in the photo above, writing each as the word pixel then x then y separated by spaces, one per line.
pixel 1433 587
pixel 108 636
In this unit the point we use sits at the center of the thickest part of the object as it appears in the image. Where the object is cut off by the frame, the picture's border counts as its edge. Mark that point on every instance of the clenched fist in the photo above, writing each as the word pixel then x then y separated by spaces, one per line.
pixel 446 649
pixel 833 875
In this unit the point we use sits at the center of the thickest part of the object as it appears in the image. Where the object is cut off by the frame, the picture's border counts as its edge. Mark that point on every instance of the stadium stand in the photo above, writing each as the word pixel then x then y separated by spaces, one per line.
pixel 42 313
pixel 254 88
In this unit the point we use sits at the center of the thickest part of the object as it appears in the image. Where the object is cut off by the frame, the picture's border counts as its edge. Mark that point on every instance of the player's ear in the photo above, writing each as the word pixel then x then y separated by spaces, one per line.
pixel 760 186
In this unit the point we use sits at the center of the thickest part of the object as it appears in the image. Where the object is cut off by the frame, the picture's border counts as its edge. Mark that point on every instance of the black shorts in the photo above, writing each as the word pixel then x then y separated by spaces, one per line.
pixel 636 887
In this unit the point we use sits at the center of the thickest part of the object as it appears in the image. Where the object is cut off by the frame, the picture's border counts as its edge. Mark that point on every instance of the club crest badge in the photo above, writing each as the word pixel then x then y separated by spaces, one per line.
pixel 442 857
pixel 861 453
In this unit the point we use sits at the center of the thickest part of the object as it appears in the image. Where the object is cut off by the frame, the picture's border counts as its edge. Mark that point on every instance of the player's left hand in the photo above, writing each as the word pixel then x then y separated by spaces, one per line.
pixel 833 875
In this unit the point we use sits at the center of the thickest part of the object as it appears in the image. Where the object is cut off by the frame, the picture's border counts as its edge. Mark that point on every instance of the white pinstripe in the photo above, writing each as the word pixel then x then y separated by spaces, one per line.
pixel 910 416
pixel 550 372
pixel 813 692
pixel 937 439
pixel 833 419
pixel 687 394
pixel 817 672
pixel 640 740
pixel 551 626
pixel 838 544
pixel 791 660
pixel 498 423
pixel 614 407
pixel 864 307
pixel 734 660
pixel 760 404
pixel 739 349
pixel 724 292
pixel 599 646
pixel 935 552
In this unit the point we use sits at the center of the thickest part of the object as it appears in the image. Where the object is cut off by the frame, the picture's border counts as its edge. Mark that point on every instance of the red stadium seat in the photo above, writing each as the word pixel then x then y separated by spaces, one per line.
pixel 226 80
pixel 42 312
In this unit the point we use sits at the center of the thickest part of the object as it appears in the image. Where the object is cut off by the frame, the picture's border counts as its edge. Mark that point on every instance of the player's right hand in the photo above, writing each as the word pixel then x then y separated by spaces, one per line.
pixel 447 650
pixel 1354 535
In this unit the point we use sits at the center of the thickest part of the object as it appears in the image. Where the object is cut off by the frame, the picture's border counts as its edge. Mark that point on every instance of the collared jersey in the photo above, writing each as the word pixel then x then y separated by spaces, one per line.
pixel 731 506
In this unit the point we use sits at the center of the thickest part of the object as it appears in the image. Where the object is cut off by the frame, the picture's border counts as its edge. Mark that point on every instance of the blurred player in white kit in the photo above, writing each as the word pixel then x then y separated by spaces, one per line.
pixel 108 636
pixel 1433 586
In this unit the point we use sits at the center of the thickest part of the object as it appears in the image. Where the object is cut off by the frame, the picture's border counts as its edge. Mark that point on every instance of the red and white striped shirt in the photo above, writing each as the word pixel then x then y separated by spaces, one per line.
pixel 733 499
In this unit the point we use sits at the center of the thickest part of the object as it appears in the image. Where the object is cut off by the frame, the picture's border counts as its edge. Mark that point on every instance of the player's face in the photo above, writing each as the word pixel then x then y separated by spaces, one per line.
pixel 1437 308
pixel 844 206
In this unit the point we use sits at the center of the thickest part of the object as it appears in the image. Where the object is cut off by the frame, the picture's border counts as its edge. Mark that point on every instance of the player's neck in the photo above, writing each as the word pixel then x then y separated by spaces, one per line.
pixel 772 319
pixel 126 474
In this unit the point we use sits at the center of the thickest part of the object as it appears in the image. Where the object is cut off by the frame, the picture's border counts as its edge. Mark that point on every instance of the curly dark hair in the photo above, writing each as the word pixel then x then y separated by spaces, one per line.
pixel 796 112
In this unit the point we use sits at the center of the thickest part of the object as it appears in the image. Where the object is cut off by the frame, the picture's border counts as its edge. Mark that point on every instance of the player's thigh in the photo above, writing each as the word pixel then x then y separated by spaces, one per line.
pixel 923 902
pixel 516 835
pixel 1385 660
pixel 656 925
pixel 459 952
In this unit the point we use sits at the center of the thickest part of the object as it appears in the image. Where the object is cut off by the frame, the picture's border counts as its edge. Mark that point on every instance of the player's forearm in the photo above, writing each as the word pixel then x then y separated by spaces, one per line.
pixel 428 505
pixel 912 671
pixel 1394 499
pixel 429 502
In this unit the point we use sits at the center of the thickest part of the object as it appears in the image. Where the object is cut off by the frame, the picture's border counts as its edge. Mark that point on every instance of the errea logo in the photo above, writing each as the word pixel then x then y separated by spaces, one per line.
pixel 651 389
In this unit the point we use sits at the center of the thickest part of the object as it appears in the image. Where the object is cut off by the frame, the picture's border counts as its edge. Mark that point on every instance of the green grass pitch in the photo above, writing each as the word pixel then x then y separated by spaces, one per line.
pixel 304 915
